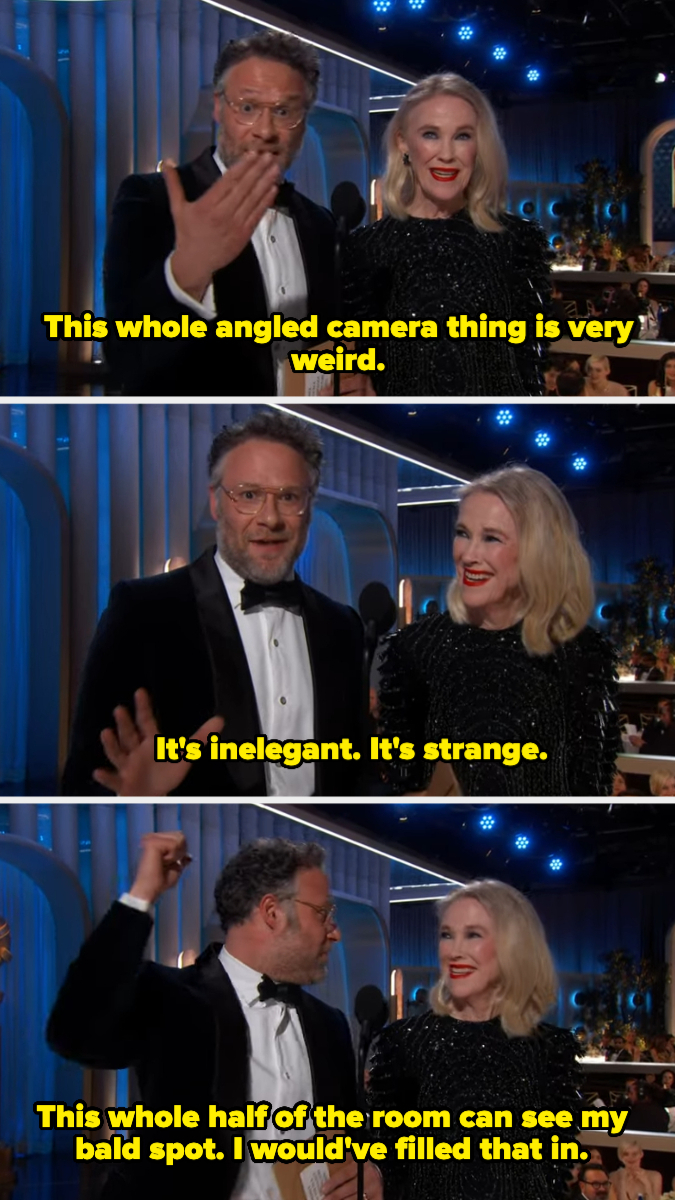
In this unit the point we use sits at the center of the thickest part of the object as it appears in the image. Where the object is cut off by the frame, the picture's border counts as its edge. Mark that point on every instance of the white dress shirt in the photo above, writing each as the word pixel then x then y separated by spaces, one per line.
pixel 277 249
pixel 279 1072
pixel 279 1069
pixel 278 659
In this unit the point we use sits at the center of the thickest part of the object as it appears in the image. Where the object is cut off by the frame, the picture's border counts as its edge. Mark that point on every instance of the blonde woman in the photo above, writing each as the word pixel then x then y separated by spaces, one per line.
pixel 513 662
pixel 482 1048
pixel 632 1181
pixel 598 382
pixel 447 248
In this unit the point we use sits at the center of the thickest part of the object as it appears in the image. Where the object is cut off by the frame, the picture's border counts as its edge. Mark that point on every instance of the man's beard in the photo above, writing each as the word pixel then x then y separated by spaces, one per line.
pixel 255 570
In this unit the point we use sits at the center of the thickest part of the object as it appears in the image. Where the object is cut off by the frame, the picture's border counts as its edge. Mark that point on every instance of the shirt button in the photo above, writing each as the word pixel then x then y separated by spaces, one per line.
pixel 283 291
pixel 272 238
pixel 282 699
pixel 275 642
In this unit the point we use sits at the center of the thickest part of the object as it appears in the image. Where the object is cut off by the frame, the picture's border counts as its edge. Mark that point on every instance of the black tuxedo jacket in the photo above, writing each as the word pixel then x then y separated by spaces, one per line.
pixel 140 238
pixel 176 635
pixel 185 1034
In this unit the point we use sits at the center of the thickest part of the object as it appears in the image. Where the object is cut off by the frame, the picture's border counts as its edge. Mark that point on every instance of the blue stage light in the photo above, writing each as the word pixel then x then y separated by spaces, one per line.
pixel 465 33
pixel 487 822
pixel 579 462
pixel 499 53
pixel 542 439
pixel 522 841
pixel 382 6
pixel 416 5
pixel 533 75
pixel 555 864
pixel 504 416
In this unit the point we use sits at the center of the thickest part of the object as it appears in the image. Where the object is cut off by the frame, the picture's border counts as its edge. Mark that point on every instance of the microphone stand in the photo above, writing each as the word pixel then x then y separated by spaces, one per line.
pixel 340 237
pixel 365 1038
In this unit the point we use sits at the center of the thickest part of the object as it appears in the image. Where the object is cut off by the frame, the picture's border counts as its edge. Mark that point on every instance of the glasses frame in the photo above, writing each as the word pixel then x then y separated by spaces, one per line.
pixel 325 911
pixel 232 495
pixel 234 105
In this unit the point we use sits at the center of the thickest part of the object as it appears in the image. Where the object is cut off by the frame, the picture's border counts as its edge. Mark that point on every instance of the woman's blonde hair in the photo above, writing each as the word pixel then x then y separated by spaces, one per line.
pixel 660 779
pixel 529 983
pixel 597 360
pixel 623 1144
pixel 486 193
pixel 555 572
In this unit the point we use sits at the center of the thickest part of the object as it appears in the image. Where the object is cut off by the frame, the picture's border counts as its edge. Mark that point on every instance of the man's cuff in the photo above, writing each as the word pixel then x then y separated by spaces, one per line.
pixel 143 906
pixel 205 309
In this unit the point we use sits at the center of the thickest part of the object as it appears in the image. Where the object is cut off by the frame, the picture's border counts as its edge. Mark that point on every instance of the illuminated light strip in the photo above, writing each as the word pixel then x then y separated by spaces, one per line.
pixel 364 441
pixel 360 62
pixel 280 812
pixel 419 503
pixel 420 899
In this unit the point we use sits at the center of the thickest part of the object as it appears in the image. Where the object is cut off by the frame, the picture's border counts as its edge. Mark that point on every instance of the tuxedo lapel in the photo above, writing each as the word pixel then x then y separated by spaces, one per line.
pixel 324 661
pixel 232 683
pixel 232 1052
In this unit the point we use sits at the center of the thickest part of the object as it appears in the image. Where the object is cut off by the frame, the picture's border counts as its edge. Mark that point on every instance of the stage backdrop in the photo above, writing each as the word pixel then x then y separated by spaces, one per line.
pixel 99 843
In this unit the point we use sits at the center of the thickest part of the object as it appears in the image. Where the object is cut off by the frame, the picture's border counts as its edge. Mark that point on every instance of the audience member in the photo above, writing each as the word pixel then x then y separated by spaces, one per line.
pixel 664 384
pixel 662 783
pixel 570 383
pixel 598 382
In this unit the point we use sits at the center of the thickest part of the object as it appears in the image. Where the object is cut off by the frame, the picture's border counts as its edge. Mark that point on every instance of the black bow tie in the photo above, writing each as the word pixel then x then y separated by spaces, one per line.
pixel 287 993
pixel 284 195
pixel 284 595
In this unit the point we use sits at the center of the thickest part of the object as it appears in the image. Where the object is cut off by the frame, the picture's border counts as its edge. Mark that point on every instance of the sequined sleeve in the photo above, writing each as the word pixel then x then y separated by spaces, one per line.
pixel 593 718
pixel 392 1085
pixel 561 1083
pixel 531 291
pixel 404 700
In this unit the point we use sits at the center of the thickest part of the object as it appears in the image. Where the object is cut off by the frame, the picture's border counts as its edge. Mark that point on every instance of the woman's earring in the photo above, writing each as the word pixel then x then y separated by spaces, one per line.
pixel 406 159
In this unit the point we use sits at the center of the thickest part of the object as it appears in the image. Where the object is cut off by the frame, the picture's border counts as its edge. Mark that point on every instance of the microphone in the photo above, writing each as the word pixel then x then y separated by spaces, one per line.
pixel 371 1010
pixel 377 609
pixel 347 205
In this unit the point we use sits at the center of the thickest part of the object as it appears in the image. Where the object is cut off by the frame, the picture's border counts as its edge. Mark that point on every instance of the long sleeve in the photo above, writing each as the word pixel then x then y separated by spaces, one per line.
pixel 102 1012
pixel 593 717
pixel 530 257
pixel 562 1079
pixel 404 701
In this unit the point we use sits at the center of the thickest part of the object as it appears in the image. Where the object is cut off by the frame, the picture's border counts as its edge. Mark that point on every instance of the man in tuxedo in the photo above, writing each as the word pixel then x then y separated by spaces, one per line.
pixel 235 635
pixel 593 1182
pixel 223 238
pixel 234 1028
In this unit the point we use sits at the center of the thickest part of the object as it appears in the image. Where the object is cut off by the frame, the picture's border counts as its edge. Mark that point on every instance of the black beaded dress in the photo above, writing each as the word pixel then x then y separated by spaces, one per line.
pixel 434 1062
pixel 422 269
pixel 444 680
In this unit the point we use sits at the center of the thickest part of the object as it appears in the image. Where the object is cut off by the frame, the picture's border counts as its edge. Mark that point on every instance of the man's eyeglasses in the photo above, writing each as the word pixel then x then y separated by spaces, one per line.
pixel 325 911
pixel 603 1186
pixel 290 501
pixel 248 112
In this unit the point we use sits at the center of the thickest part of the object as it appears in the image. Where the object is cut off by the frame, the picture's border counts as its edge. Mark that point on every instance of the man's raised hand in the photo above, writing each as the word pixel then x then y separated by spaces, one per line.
pixel 213 230
pixel 163 858
pixel 130 749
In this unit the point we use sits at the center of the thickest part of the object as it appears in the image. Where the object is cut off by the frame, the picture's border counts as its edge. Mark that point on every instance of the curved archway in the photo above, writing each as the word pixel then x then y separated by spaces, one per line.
pixel 48 606
pixel 68 904
pixel 49 128
pixel 647 170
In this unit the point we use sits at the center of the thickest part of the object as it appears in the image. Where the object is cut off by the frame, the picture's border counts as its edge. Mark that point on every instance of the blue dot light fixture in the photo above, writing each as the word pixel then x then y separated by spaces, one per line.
pixel 555 863
pixel 533 75
pixel 416 5
pixel 542 439
pixel 504 416
pixel 465 33
pixel 382 6
pixel 499 53
pixel 521 842
pixel 487 822
pixel 579 462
